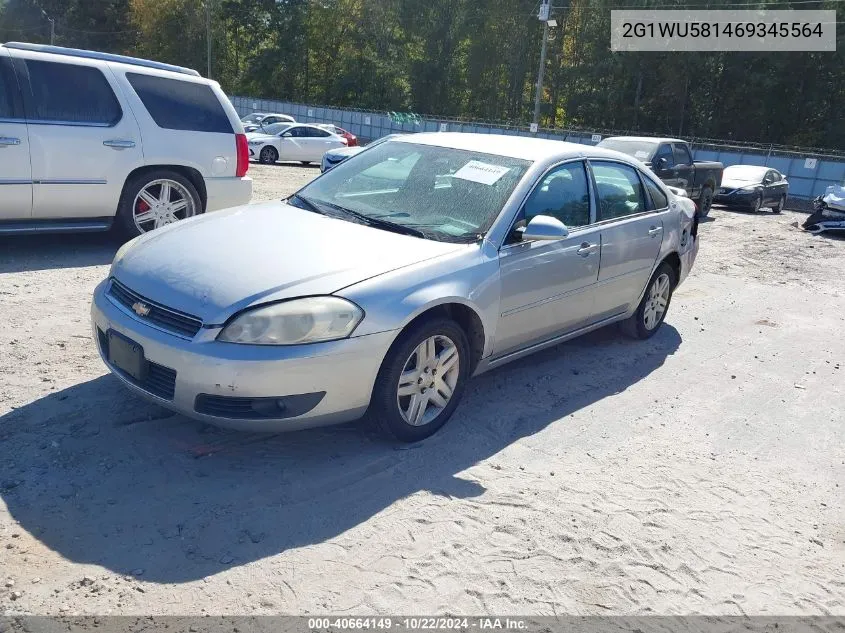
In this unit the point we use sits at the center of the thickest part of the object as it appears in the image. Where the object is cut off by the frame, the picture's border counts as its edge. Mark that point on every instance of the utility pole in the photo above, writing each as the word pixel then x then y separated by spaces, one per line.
pixel 545 17
pixel 208 37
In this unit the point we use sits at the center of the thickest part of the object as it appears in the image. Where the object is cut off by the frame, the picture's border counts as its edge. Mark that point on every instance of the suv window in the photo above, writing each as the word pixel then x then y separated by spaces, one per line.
pixel 10 106
pixel 67 93
pixel 563 194
pixel 620 191
pixel 682 156
pixel 181 105
pixel 658 198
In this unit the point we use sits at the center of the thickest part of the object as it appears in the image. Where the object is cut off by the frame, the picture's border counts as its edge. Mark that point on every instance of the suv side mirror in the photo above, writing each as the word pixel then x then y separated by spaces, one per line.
pixel 545 227
pixel 661 163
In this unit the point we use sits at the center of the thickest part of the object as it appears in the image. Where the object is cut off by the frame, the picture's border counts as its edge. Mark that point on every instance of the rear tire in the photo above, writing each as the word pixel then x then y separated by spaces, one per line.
pixel 705 202
pixel 648 318
pixel 268 155
pixel 780 205
pixel 128 209
pixel 410 371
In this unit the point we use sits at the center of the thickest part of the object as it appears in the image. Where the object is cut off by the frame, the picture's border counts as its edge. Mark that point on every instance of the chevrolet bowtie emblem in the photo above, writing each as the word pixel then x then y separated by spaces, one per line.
pixel 141 309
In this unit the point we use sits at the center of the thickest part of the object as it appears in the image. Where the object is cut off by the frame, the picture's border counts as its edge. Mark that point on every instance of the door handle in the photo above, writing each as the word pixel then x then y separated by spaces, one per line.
pixel 654 230
pixel 119 143
pixel 8 140
pixel 587 249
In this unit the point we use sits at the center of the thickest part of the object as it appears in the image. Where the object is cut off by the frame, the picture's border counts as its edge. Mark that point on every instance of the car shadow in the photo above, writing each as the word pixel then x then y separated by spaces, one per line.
pixel 101 477
pixel 20 253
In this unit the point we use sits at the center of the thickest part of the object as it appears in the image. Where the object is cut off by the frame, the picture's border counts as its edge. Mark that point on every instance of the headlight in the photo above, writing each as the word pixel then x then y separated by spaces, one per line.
pixel 255 142
pixel 308 320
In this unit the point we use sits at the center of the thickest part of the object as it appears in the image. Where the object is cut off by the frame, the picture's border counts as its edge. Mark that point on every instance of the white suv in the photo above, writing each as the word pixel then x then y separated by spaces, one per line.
pixel 89 139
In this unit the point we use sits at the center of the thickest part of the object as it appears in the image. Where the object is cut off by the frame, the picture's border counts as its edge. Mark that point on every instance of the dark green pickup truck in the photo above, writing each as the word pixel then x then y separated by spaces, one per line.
pixel 671 160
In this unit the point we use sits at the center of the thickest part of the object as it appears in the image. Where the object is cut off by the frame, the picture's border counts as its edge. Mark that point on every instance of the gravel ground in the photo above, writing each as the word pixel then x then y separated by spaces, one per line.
pixel 700 471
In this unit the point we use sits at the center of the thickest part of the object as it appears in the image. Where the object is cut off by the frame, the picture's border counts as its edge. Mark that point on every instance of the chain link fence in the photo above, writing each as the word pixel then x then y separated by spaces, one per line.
pixel 809 170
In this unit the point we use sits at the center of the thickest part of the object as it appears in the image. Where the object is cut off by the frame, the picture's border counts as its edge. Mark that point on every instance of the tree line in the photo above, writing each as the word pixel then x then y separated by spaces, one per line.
pixel 474 59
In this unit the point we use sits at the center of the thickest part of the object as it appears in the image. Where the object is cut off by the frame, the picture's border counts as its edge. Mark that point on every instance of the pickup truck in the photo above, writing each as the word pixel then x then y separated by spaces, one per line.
pixel 671 160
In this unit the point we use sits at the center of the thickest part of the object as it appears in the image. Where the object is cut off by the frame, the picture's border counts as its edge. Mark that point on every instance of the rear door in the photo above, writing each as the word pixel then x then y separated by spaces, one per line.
pixel 15 169
pixel 315 142
pixel 631 234
pixel 83 144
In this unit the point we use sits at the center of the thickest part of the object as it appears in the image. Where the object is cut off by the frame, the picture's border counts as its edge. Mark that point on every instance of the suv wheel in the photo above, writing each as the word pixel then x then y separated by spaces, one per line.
pixel 154 199
pixel 421 380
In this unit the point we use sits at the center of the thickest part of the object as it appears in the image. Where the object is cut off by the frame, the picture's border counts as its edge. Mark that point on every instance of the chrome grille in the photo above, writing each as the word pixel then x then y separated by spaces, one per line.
pixel 159 315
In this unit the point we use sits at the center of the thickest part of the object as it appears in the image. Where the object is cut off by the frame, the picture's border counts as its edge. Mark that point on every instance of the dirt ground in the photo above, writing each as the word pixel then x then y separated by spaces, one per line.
pixel 698 472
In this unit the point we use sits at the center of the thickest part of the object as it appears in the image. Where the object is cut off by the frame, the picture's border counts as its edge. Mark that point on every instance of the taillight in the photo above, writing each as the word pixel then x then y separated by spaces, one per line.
pixel 242 149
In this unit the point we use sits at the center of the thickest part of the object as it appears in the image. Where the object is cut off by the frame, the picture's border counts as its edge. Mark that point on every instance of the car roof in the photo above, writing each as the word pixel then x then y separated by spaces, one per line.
pixel 106 57
pixel 524 147
pixel 645 139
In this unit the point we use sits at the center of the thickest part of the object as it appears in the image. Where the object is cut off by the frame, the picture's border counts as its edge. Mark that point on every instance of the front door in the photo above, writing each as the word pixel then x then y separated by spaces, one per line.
pixel 547 286
pixel 684 170
pixel 15 169
pixel 631 235
pixel 83 144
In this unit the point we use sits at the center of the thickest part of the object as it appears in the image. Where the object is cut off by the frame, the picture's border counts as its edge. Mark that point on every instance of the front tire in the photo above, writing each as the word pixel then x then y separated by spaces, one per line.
pixel 757 203
pixel 652 310
pixel 155 198
pixel 268 155
pixel 421 380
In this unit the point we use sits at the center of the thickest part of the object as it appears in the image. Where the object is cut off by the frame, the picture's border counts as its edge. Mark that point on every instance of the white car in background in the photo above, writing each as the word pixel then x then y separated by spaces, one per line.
pixel 256 121
pixel 292 142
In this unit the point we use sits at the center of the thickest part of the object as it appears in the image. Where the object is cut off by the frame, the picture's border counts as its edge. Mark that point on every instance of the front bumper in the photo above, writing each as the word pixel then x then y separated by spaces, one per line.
pixel 335 379
pixel 227 192
pixel 735 198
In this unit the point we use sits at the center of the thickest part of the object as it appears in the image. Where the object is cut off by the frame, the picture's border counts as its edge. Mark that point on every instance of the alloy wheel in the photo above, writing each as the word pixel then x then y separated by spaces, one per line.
pixel 428 380
pixel 162 202
pixel 658 299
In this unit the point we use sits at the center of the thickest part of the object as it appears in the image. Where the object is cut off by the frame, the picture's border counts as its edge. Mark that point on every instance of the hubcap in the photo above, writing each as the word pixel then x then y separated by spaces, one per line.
pixel 162 202
pixel 428 380
pixel 658 298
pixel 267 155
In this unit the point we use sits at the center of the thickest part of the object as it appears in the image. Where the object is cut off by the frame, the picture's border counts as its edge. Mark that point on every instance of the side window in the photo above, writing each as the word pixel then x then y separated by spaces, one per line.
pixel 682 156
pixel 180 105
pixel 658 198
pixel 664 151
pixel 563 194
pixel 67 93
pixel 10 96
pixel 294 132
pixel 620 191
pixel 312 132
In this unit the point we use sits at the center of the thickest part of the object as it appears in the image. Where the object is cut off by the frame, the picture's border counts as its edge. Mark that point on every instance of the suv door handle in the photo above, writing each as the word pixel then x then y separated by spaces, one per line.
pixel 119 143
pixel 587 249
pixel 654 230
pixel 8 140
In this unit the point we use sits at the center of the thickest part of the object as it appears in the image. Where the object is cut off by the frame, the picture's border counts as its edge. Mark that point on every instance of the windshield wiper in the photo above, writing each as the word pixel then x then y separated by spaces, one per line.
pixel 376 222
pixel 305 203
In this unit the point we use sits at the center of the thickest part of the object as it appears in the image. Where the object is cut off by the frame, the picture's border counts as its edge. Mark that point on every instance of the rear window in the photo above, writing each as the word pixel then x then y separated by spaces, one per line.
pixel 67 93
pixel 181 105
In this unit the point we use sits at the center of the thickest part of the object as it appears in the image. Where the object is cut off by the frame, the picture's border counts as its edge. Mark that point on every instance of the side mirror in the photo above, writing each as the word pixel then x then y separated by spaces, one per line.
pixel 545 227
pixel 661 163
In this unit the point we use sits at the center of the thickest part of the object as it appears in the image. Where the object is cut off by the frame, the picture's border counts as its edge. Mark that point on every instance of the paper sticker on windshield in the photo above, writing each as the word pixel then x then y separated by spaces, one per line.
pixel 641 154
pixel 485 173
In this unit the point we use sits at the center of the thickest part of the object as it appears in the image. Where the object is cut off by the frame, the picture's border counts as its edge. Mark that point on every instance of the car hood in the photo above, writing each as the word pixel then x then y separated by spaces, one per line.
pixel 212 266
pixel 344 152
pixel 729 183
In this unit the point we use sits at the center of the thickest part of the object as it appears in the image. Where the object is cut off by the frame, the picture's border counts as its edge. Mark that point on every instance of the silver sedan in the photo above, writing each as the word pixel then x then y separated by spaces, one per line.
pixel 382 286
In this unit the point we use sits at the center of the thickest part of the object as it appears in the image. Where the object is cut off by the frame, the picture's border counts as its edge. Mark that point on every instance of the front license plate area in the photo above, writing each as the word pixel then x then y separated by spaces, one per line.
pixel 127 356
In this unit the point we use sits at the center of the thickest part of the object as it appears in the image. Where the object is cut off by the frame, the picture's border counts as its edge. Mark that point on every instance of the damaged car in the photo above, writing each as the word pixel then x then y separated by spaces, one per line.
pixel 383 285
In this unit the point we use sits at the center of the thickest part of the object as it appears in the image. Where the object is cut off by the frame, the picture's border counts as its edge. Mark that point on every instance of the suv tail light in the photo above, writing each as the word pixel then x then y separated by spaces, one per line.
pixel 242 149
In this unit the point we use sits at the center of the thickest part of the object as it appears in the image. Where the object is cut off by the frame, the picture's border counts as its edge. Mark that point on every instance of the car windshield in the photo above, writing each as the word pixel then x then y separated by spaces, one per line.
pixel 745 173
pixel 447 194
pixel 275 128
pixel 639 149
pixel 252 118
